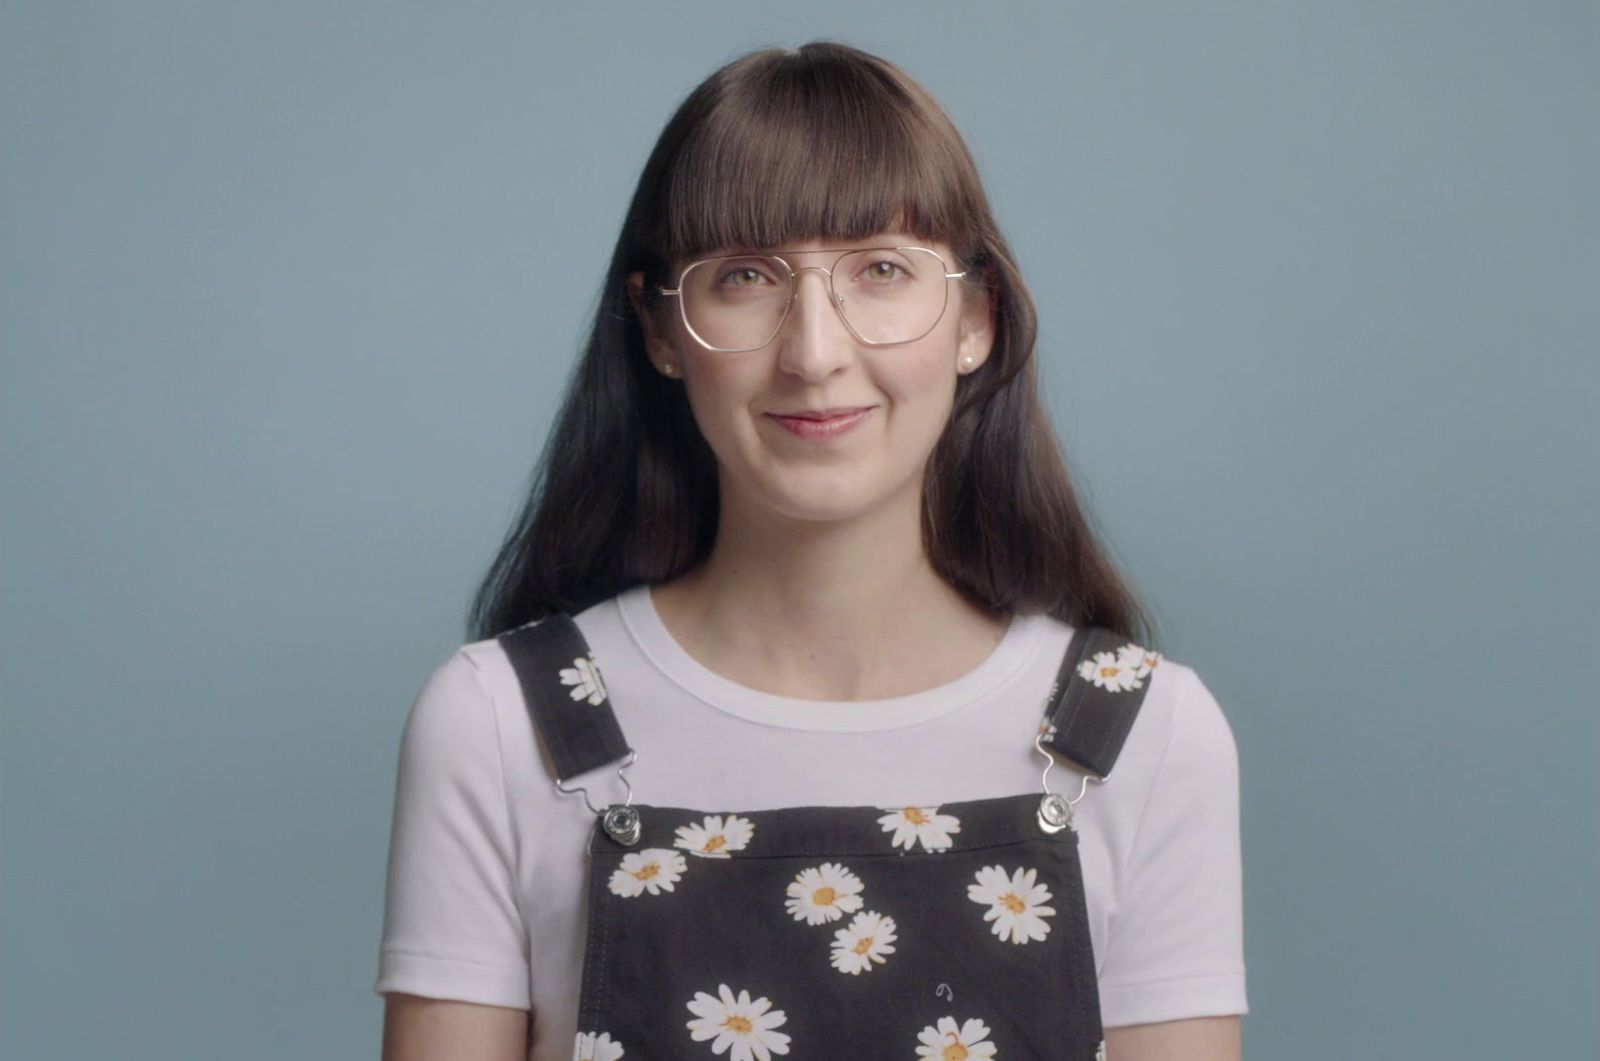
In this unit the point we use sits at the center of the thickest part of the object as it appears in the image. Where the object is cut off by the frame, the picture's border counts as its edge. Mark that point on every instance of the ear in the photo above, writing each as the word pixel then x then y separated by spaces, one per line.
pixel 656 343
pixel 977 329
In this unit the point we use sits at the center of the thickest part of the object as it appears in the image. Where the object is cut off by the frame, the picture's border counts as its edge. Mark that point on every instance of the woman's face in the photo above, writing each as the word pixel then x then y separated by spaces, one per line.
pixel 759 410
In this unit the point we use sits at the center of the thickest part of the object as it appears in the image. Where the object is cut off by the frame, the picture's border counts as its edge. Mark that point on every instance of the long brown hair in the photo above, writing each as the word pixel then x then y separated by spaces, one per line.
pixel 825 142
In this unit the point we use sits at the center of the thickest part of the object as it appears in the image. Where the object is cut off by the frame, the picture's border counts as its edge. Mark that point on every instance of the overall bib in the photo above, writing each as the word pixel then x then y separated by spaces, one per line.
pixel 951 932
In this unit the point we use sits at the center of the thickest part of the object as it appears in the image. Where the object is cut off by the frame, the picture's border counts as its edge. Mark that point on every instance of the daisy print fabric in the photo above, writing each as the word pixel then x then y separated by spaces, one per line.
pixel 823 893
pixel 738 1025
pixel 596 1046
pixel 584 678
pixel 948 1041
pixel 868 939
pixel 717 836
pixel 653 870
pixel 1122 670
pixel 925 825
pixel 1015 903
pixel 771 934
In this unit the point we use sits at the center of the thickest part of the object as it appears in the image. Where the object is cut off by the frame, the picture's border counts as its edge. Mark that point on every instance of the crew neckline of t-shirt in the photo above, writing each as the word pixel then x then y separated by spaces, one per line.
pixel 643 623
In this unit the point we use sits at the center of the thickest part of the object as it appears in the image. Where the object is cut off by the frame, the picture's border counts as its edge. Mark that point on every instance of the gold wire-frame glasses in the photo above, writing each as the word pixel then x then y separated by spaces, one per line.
pixel 791 278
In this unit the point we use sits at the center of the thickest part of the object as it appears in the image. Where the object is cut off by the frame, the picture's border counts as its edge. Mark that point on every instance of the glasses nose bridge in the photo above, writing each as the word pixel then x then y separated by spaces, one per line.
pixel 832 298
pixel 794 278
pixel 827 283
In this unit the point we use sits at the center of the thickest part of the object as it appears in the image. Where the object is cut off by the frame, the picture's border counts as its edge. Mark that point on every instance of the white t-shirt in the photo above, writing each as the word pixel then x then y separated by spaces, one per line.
pixel 487 859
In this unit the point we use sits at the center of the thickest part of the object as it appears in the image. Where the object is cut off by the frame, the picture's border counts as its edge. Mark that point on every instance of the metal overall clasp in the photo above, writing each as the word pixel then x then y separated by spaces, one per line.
pixel 1055 810
pixel 620 820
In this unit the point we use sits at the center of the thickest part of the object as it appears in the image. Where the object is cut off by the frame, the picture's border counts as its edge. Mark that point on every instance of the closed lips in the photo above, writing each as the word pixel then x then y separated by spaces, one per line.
pixel 821 424
pixel 830 414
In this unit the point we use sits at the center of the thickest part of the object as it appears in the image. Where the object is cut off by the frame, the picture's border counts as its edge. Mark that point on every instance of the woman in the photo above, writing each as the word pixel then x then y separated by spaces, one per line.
pixel 809 515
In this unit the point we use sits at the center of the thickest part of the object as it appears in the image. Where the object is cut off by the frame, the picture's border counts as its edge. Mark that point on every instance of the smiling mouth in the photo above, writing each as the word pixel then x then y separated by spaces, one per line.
pixel 823 414
pixel 812 425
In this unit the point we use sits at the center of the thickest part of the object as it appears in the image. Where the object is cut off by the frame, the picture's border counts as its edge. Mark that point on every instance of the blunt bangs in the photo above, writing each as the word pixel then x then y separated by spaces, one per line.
pixel 792 146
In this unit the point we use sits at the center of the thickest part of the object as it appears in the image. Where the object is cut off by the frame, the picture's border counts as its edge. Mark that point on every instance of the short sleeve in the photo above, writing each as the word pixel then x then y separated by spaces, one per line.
pixel 452 928
pixel 1175 944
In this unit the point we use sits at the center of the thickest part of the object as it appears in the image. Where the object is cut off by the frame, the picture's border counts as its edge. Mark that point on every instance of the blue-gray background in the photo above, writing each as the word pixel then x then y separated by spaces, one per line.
pixel 289 290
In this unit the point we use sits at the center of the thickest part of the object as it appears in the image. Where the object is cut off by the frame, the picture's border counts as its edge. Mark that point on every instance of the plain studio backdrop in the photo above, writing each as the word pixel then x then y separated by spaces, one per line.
pixel 290 290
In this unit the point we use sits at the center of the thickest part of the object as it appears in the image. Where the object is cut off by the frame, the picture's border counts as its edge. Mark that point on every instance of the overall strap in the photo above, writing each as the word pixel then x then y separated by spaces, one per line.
pixel 564 693
pixel 1096 697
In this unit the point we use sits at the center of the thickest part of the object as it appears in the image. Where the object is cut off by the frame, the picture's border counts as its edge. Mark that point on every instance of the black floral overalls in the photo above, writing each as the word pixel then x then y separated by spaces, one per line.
pixel 929 933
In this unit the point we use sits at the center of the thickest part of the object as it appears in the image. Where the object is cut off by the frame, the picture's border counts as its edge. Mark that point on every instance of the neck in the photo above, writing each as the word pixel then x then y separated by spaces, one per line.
pixel 826 610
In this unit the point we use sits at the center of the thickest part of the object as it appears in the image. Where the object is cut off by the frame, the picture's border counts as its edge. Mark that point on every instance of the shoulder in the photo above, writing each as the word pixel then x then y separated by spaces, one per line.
pixel 453 733
pixel 1181 771
pixel 1179 722
pixel 453 694
pixel 1179 749
pixel 1182 742
pixel 1199 736
pixel 487 664
pixel 477 692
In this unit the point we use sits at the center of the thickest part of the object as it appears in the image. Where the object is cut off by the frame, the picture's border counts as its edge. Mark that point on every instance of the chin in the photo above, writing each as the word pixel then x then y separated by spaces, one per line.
pixel 829 499
pixel 835 510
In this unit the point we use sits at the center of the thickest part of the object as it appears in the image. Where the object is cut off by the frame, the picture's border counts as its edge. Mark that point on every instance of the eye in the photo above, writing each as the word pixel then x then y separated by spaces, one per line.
pixel 744 274
pixel 883 269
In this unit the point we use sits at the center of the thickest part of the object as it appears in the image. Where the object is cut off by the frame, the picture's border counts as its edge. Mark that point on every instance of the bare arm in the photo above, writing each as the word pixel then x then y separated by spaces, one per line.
pixel 431 1029
pixel 1200 1039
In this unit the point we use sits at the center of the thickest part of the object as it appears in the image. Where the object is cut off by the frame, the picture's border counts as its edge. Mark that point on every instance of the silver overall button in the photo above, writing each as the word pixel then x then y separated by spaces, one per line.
pixel 1055 813
pixel 621 823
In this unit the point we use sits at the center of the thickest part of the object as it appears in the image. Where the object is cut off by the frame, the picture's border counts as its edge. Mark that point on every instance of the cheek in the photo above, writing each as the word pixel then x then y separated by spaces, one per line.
pixel 721 391
pixel 921 387
pixel 711 382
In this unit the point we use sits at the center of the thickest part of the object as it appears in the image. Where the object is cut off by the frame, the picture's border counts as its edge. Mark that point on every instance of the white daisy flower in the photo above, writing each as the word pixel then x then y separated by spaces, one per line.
pixel 584 677
pixel 947 1042
pixel 866 941
pixel 653 870
pixel 717 836
pixel 596 1046
pixel 743 1025
pixel 910 824
pixel 1138 659
pixel 1110 671
pixel 1016 903
pixel 823 893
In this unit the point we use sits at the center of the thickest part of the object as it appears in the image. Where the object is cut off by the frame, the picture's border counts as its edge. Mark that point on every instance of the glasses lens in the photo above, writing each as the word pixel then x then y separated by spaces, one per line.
pixel 891 294
pixel 735 303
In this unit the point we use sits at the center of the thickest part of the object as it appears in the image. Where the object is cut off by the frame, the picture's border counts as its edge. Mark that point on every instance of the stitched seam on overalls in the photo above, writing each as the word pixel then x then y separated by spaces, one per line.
pixel 609 726
pixel 1075 697
pixel 1118 730
pixel 812 850
pixel 593 982
pixel 550 722
pixel 543 714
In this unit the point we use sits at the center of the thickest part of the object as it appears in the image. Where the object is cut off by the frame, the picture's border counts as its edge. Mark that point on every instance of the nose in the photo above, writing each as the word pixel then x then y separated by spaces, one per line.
pixel 813 342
